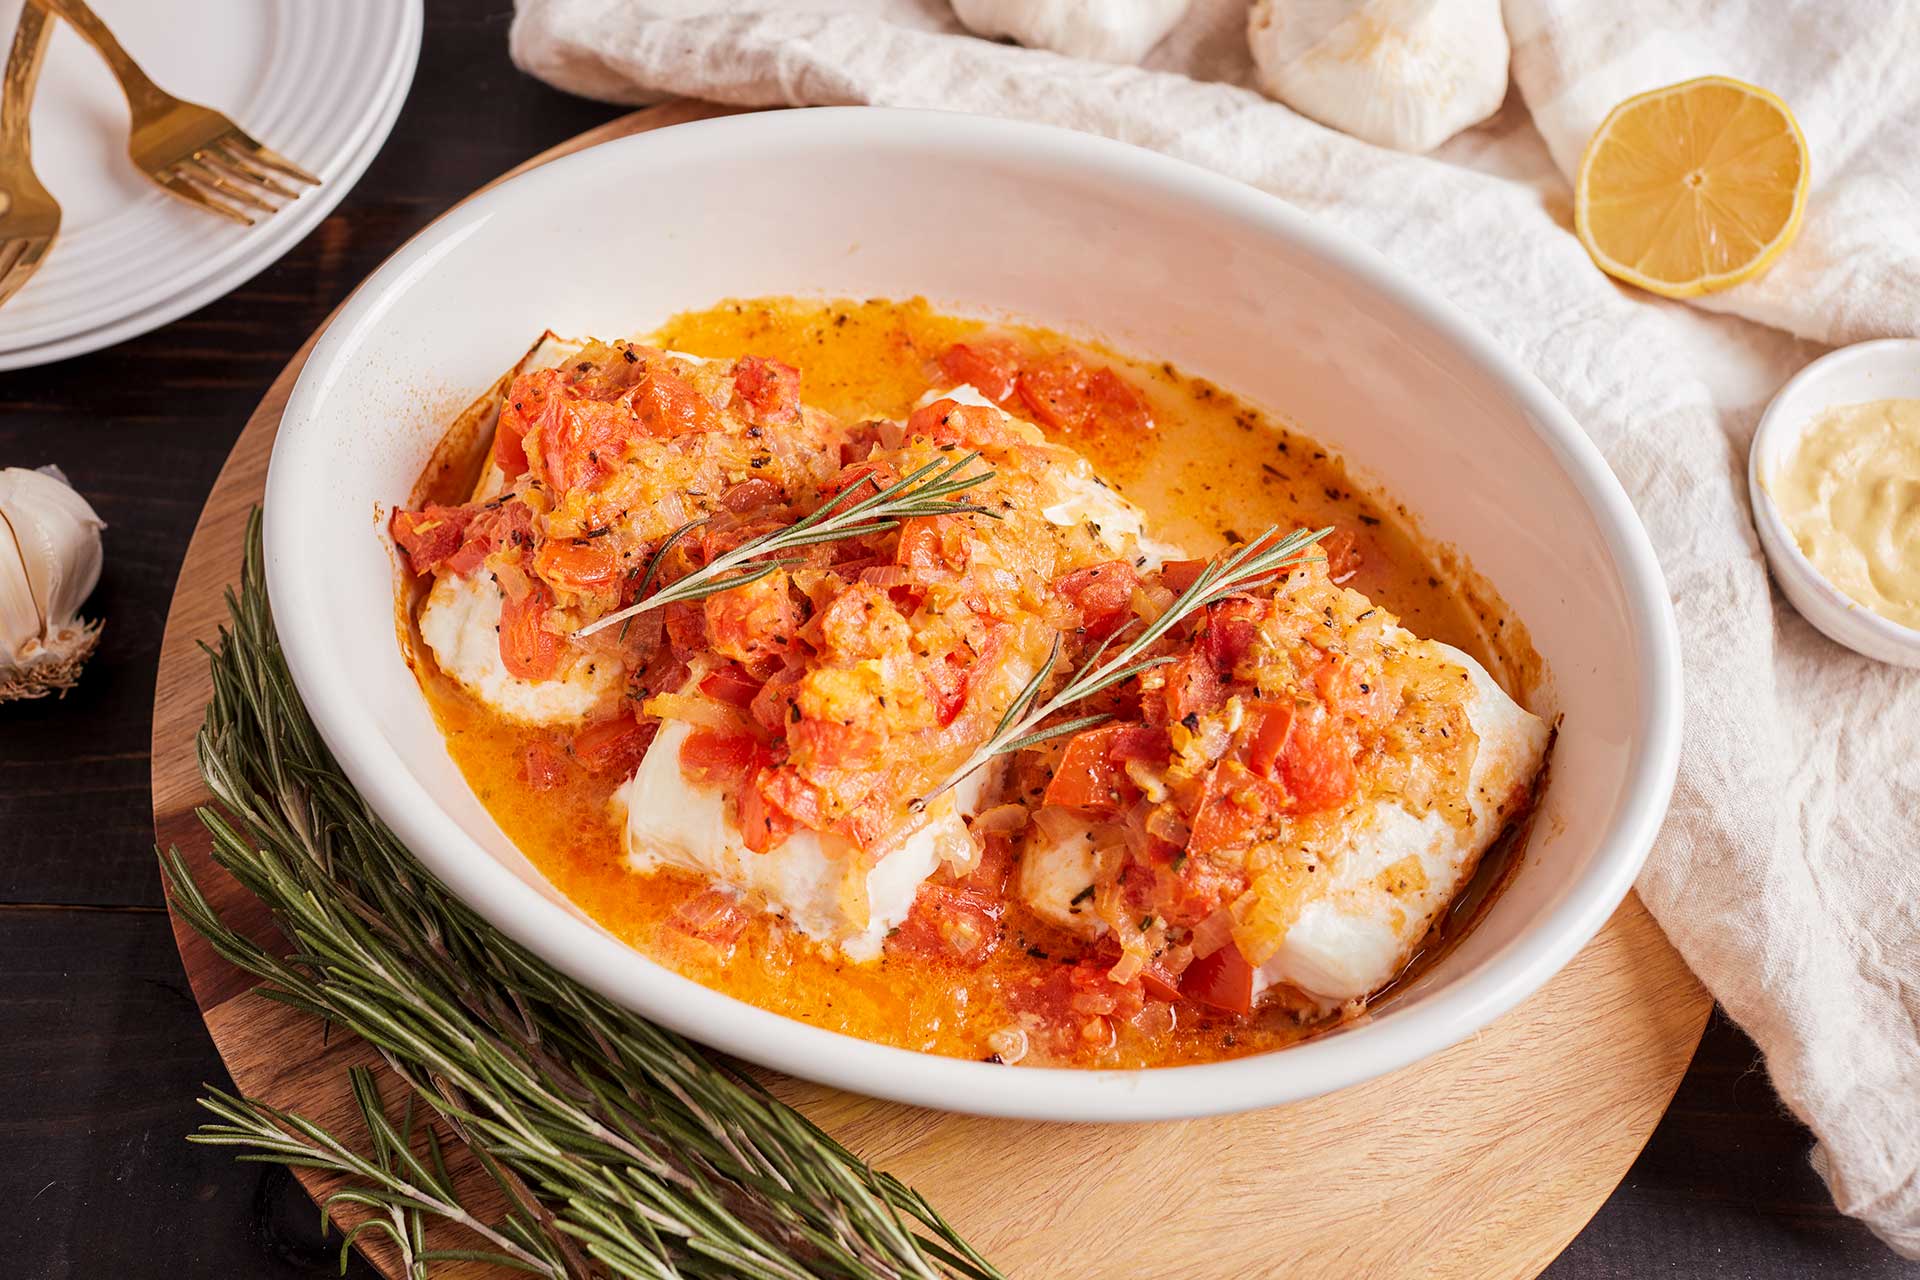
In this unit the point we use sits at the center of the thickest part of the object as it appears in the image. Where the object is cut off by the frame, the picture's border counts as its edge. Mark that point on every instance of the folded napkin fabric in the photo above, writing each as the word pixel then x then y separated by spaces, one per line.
pixel 1788 874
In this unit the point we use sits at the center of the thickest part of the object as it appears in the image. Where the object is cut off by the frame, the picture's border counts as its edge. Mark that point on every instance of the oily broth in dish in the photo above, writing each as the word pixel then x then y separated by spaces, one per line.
pixel 1011 937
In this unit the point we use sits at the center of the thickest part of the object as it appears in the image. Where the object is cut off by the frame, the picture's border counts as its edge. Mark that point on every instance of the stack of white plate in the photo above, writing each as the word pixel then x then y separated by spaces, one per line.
pixel 320 81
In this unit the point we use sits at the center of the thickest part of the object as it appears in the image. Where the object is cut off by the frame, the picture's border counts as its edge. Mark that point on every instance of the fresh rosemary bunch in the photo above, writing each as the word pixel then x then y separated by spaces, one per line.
pixel 1024 725
pixel 926 492
pixel 625 1150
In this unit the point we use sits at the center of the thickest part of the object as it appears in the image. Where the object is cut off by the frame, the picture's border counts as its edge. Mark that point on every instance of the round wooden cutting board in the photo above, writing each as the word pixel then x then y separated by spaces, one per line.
pixel 1482 1162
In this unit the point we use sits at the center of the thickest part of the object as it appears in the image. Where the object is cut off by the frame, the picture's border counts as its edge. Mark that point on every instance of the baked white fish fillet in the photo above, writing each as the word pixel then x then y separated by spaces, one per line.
pixel 820 884
pixel 460 621
pixel 1390 874
pixel 1080 496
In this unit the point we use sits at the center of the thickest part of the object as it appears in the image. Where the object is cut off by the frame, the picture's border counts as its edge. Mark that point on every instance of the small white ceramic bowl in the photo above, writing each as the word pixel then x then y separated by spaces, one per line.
pixel 1888 369
pixel 1064 230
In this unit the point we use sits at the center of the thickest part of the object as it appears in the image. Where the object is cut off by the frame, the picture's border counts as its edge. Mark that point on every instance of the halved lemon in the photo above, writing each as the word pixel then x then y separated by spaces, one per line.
pixel 1692 188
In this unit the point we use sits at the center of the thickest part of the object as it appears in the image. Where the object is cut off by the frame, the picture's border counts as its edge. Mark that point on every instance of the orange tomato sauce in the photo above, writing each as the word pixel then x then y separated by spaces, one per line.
pixel 1212 467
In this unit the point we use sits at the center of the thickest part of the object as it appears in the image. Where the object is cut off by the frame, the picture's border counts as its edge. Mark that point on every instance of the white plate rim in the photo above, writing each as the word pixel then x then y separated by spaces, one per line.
pixel 271 240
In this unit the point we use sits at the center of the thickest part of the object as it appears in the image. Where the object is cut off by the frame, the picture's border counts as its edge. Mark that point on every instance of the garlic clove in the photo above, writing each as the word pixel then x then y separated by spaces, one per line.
pixel 50 560
pixel 20 619
pixel 1099 30
pixel 1407 74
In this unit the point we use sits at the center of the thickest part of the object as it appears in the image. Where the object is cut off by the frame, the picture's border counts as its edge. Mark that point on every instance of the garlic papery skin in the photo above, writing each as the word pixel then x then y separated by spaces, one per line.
pixel 1406 74
pixel 50 562
pixel 1099 30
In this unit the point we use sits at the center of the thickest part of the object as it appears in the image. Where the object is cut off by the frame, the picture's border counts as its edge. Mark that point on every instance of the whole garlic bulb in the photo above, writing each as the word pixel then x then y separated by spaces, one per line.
pixel 49 563
pixel 1100 30
pixel 1407 74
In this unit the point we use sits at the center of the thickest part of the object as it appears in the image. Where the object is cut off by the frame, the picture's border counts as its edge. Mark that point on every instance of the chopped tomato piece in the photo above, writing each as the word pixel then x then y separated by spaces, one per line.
pixel 1054 390
pixel 1114 403
pixel 613 746
pixel 668 405
pixel 858 481
pixel 1178 575
pixel 529 650
pixel 774 705
pixel 583 566
pixel 686 624
pixel 988 367
pixel 948 422
pixel 542 767
pixel 581 441
pixel 933 542
pixel 762 826
pixel 1139 742
pixel 1159 984
pixel 430 535
pixel 1272 727
pixel 947 681
pixel 1092 777
pixel 1235 808
pixel 1342 550
pixel 786 791
pixel 1232 627
pixel 948 924
pixel 1222 980
pixel 528 401
pixel 754 622
pixel 732 685
pixel 710 916
pixel 493 528
pixel 869 821
pixel 1193 687
pixel 755 491
pixel 1063 393
pixel 1317 764
pixel 1103 593
pixel 770 390
pixel 711 758
pixel 832 744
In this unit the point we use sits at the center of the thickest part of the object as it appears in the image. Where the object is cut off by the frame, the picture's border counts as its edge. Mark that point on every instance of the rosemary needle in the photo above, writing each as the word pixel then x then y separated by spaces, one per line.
pixel 925 492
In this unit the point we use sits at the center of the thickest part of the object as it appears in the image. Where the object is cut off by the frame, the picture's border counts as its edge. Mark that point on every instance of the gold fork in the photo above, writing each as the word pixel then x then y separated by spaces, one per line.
pixel 29 216
pixel 193 151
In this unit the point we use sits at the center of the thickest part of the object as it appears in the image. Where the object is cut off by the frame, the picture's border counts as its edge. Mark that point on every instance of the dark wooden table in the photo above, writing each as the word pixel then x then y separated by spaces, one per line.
pixel 101 1050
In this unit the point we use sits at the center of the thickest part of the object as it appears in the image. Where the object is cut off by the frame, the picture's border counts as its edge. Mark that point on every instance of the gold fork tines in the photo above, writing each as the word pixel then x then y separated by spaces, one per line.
pixel 29 215
pixel 192 151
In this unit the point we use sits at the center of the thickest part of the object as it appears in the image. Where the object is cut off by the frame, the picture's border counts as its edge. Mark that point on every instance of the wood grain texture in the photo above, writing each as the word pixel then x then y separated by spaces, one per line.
pixel 1484 1161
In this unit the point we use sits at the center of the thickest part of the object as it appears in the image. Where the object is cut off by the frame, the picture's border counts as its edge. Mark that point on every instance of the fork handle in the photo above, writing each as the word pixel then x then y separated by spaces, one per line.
pixel 23 72
pixel 142 93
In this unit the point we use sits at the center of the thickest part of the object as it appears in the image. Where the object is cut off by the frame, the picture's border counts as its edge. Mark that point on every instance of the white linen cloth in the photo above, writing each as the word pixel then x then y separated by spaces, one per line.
pixel 1788 874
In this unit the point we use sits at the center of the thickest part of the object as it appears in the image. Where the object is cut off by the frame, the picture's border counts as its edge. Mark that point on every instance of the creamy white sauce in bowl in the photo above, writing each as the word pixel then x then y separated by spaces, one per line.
pixel 1834 478
pixel 1850 494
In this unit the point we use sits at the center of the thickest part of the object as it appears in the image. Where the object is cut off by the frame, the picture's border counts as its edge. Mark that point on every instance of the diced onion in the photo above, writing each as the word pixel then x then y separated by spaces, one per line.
pixel 1164 823
pixel 1155 1019
pixel 702 712
pixel 671 510
pixel 1127 968
pixel 887 575
pixel 1010 1043
pixel 1002 819
pixel 1211 934
pixel 1148 779
pixel 1058 824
